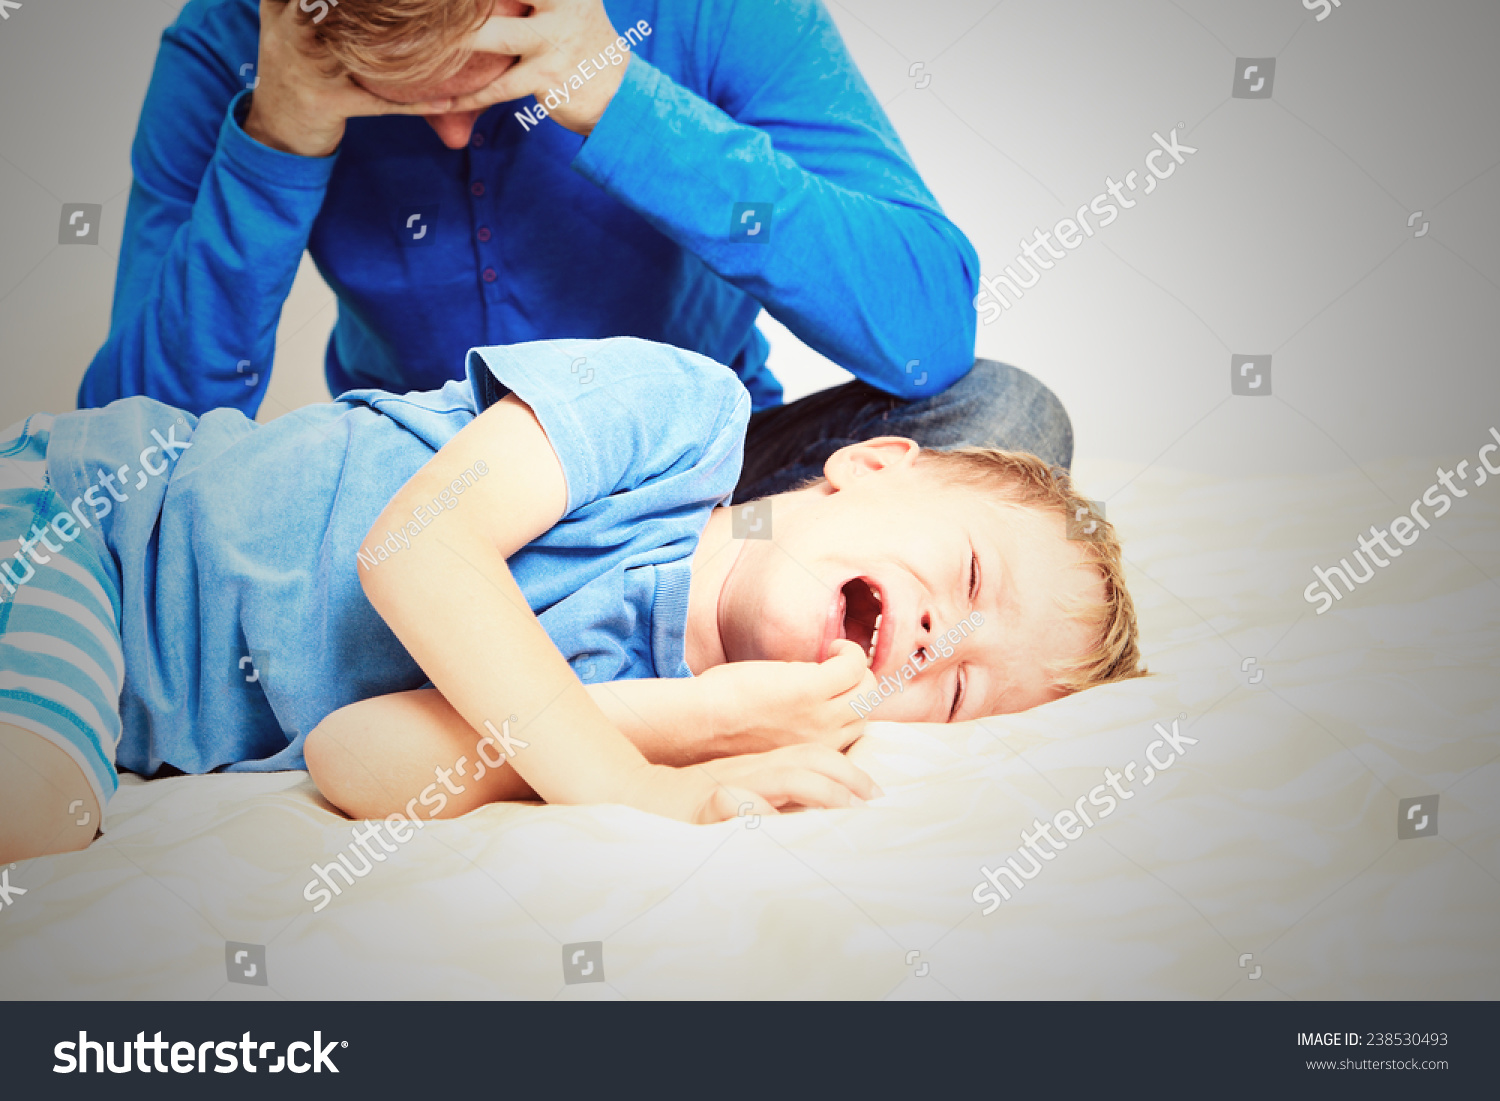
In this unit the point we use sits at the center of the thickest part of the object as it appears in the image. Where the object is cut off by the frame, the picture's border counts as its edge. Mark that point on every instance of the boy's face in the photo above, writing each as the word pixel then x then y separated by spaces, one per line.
pixel 887 536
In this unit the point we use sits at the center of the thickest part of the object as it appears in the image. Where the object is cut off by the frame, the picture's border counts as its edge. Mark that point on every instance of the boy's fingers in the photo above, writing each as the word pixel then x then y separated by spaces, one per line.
pixel 834 765
pixel 846 706
pixel 807 788
pixel 852 732
pixel 845 665
pixel 729 802
pixel 864 685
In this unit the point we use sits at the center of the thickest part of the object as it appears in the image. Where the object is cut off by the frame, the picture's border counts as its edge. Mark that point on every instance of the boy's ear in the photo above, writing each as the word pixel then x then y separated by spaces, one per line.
pixel 869 457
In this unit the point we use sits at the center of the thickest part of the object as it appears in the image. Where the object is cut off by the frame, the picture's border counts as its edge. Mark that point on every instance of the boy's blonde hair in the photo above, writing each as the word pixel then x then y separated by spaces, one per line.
pixel 413 42
pixel 1022 479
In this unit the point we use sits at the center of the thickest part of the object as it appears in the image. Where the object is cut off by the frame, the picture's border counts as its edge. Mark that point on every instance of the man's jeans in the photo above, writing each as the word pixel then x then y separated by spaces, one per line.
pixel 994 405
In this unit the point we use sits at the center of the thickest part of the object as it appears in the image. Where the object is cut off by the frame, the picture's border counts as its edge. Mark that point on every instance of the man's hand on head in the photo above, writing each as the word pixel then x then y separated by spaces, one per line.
pixel 299 106
pixel 551 42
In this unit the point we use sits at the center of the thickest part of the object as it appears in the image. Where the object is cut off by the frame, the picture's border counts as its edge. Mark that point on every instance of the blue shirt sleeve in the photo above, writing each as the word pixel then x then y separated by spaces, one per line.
pixel 623 413
pixel 215 230
pixel 861 263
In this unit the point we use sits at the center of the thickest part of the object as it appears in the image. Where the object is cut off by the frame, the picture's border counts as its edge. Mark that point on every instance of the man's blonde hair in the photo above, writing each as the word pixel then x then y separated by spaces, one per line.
pixel 413 42
pixel 1022 479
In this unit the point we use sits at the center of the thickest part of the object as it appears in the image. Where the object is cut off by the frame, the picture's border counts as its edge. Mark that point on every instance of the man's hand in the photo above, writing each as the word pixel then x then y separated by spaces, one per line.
pixel 298 106
pixel 760 705
pixel 758 783
pixel 551 43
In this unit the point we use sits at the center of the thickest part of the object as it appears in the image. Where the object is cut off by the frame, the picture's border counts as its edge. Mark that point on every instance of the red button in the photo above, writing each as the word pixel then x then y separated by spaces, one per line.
pixel 489 275
pixel 476 188
pixel 484 233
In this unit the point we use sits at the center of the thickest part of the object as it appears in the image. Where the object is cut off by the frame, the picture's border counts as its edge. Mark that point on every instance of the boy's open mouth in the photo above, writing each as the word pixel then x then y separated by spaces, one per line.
pixel 860 607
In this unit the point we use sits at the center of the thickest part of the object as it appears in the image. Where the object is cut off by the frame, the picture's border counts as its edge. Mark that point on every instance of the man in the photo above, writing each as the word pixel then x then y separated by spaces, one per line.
pixel 665 182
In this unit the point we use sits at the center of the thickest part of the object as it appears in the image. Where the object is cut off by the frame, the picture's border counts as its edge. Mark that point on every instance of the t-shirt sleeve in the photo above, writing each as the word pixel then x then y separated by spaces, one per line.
pixel 624 412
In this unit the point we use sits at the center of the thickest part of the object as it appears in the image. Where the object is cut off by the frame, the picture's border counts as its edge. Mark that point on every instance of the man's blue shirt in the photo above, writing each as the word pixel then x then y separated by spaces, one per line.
pixel 532 232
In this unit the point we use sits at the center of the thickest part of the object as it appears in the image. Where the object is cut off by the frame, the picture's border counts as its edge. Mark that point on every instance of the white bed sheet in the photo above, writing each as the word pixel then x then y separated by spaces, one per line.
pixel 1263 864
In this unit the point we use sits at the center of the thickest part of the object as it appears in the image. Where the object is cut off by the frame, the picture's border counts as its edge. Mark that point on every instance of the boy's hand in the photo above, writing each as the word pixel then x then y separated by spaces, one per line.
pixel 758 783
pixel 761 705
pixel 297 106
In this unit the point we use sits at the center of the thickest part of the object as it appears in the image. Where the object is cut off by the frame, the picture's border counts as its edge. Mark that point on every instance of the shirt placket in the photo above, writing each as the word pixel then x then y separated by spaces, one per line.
pixel 480 220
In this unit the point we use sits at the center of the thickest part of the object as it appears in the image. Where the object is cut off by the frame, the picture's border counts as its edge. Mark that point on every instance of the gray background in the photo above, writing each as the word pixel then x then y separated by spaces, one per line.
pixel 1286 233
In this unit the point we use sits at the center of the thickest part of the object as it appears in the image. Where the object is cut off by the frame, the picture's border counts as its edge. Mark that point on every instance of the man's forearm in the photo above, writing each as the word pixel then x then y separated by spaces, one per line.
pixel 855 205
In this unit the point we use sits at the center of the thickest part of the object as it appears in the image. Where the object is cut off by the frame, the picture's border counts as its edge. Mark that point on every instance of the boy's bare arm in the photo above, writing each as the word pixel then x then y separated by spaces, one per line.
pixel 410 753
pixel 451 600
pixel 741 707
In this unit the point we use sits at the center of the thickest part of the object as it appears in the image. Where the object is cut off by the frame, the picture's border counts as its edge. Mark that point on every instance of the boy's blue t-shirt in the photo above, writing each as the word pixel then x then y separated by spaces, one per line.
pixel 244 622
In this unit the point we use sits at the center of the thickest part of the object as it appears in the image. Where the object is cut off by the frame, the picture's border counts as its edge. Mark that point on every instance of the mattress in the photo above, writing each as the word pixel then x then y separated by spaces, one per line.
pixel 1270 857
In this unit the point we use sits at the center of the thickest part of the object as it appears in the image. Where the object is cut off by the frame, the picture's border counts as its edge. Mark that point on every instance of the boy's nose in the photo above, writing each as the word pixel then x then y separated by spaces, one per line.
pixel 923 641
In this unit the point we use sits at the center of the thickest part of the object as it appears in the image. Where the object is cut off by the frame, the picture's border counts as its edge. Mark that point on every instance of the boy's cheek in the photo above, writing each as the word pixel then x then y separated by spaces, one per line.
pixel 922 702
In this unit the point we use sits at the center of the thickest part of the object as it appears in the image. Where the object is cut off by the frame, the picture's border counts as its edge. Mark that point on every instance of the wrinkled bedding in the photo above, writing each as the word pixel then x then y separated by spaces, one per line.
pixel 1263 863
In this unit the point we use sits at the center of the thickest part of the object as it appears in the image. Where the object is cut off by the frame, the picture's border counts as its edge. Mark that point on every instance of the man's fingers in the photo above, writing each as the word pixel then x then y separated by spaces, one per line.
pixel 352 100
pixel 366 105
pixel 515 36
pixel 515 82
